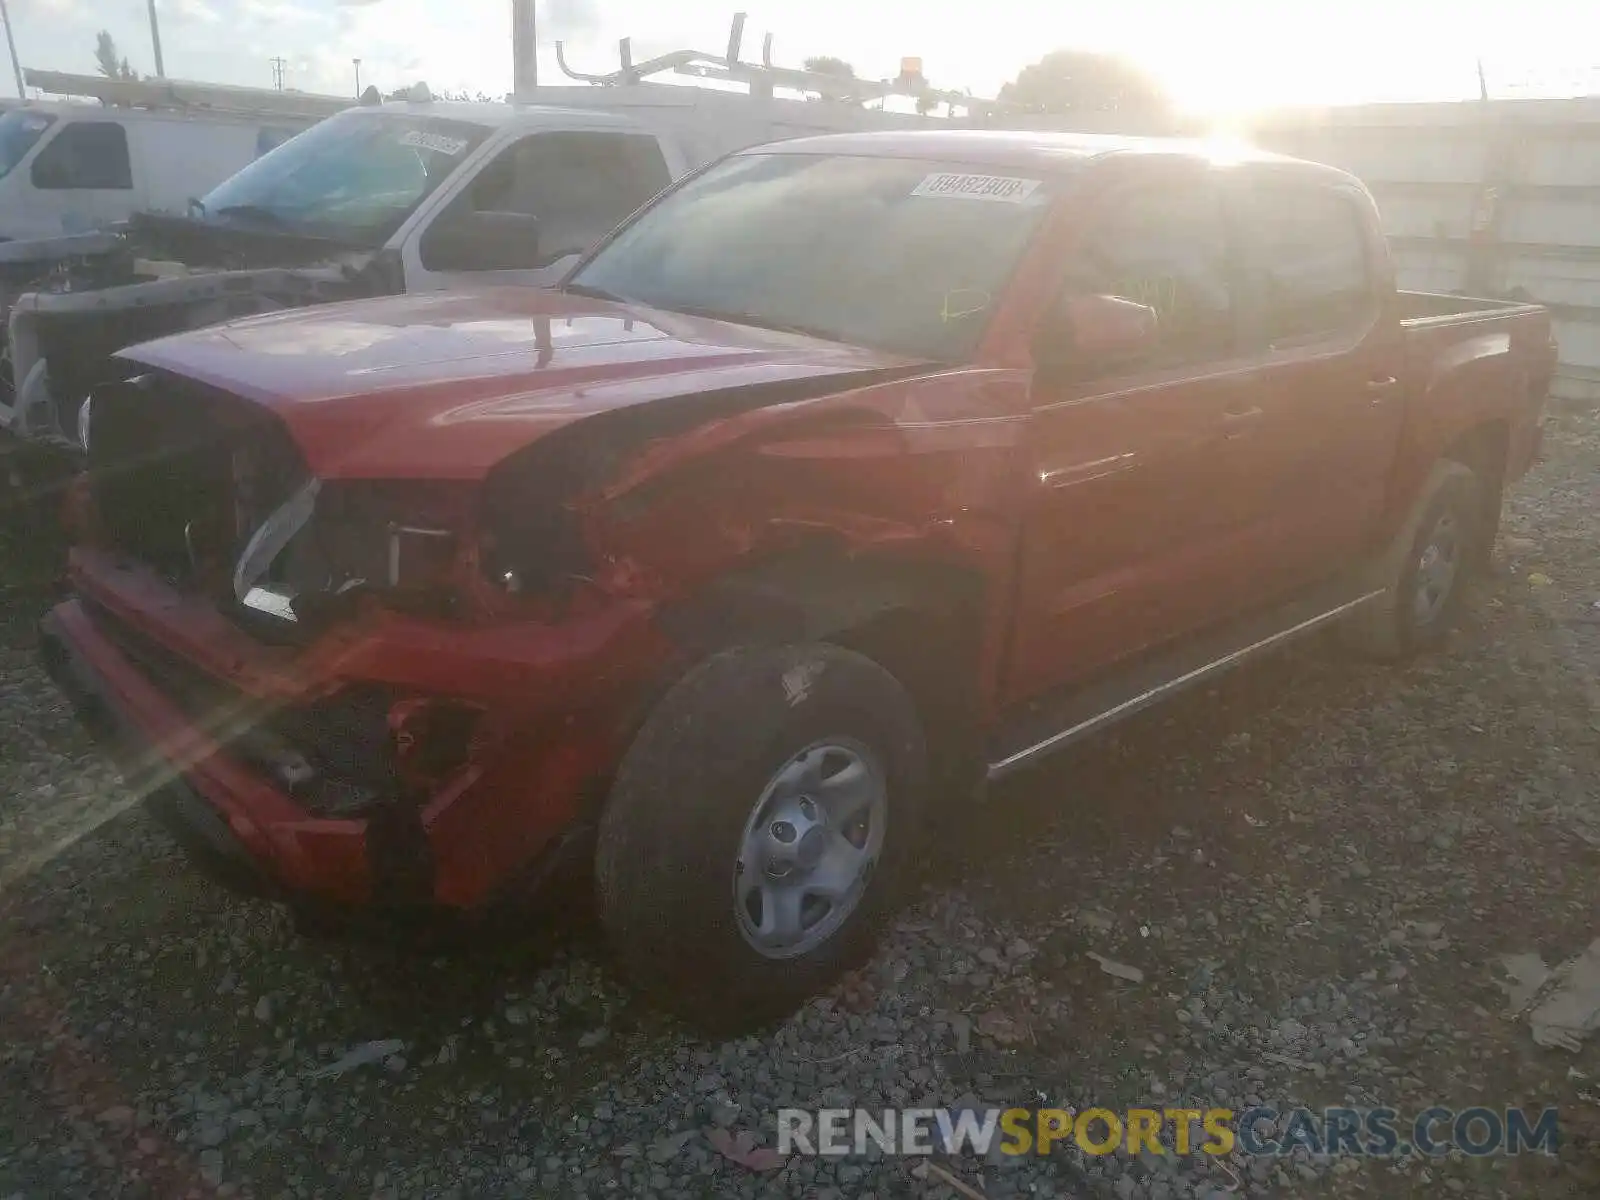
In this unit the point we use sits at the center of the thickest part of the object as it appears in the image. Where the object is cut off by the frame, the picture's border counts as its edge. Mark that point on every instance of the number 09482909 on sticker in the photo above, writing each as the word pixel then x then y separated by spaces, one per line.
pixel 1003 189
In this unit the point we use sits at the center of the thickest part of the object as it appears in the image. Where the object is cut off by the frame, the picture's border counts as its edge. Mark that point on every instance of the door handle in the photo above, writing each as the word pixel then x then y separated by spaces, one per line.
pixel 1236 422
pixel 1379 389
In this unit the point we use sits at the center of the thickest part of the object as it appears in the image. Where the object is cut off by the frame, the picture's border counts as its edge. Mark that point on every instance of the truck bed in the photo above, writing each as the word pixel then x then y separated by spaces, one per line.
pixel 1481 354
pixel 1419 308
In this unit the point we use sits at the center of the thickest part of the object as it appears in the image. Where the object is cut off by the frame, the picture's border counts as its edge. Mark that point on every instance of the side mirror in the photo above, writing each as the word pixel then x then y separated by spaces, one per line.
pixel 1088 335
pixel 483 241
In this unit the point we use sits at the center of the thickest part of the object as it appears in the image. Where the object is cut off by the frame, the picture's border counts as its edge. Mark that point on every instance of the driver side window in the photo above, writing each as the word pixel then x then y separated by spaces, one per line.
pixel 1168 250
pixel 578 185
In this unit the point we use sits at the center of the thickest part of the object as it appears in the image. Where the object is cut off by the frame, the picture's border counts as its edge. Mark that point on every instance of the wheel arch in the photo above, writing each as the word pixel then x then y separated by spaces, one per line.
pixel 921 620
pixel 1485 448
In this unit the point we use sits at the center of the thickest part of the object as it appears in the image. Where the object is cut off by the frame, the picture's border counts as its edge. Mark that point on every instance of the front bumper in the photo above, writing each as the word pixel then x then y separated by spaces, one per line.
pixel 198 827
pixel 237 827
pixel 507 831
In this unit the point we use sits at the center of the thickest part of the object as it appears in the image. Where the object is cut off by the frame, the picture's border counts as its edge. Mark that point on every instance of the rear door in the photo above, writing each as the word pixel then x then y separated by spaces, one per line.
pixel 1329 354
pixel 1137 496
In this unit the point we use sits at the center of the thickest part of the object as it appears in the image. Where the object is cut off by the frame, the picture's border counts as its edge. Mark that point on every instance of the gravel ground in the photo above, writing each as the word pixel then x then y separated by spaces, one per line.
pixel 1314 866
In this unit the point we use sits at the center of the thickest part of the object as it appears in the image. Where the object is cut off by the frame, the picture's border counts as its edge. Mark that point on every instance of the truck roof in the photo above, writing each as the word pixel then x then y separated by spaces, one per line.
pixel 1032 149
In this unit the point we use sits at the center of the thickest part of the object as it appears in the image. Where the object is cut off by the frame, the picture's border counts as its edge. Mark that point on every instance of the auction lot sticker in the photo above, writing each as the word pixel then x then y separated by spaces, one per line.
pixel 1003 189
pixel 437 142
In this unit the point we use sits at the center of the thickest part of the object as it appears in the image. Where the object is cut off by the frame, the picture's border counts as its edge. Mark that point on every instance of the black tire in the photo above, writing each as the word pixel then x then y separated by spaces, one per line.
pixel 671 831
pixel 1391 628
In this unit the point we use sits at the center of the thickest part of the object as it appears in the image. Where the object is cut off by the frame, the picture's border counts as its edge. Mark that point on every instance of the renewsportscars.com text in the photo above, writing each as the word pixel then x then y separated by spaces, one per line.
pixel 1261 1130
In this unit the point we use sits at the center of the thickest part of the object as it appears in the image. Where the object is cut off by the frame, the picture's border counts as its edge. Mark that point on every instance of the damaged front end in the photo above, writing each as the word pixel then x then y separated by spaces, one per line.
pixel 200 505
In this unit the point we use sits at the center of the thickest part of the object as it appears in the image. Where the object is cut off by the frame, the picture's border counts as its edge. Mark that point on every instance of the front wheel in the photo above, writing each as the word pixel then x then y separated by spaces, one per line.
pixel 759 827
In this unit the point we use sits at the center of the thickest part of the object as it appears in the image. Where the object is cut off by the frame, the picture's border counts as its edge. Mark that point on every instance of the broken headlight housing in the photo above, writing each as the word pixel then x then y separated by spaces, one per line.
pixel 334 541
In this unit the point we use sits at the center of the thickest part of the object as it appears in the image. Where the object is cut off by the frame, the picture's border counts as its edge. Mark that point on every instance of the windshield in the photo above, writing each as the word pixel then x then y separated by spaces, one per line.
pixel 354 177
pixel 19 130
pixel 896 254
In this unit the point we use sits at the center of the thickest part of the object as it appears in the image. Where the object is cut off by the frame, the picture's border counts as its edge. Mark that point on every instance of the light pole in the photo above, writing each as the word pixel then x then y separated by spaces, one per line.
pixel 357 63
pixel 11 44
pixel 524 49
pixel 155 40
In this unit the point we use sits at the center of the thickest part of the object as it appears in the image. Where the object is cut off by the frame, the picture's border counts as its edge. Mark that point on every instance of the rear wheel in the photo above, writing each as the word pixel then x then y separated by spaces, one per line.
pixel 760 826
pixel 1427 568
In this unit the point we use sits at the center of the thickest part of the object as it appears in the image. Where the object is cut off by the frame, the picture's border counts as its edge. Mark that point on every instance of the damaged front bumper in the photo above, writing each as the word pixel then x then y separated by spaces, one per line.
pixel 496 831
pixel 237 828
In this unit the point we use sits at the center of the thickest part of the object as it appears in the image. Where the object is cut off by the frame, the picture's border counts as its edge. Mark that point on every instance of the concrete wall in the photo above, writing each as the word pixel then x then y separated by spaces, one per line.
pixel 1482 198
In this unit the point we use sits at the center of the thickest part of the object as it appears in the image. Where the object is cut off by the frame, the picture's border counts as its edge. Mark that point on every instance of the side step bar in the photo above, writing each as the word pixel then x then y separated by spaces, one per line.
pixel 1056 724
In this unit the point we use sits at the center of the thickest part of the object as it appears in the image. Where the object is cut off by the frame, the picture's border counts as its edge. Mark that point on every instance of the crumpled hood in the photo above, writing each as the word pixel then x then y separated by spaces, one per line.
pixel 444 385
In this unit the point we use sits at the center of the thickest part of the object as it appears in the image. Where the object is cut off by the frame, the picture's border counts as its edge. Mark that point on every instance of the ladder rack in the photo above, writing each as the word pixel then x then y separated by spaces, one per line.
pixel 173 95
pixel 761 78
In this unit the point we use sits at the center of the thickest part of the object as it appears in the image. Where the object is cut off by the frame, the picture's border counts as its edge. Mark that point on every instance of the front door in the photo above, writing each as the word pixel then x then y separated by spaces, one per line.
pixel 1139 471
pixel 83 176
pixel 579 185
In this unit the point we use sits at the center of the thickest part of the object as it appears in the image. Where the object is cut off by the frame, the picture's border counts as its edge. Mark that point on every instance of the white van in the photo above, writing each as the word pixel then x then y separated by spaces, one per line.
pixel 70 168
pixel 404 196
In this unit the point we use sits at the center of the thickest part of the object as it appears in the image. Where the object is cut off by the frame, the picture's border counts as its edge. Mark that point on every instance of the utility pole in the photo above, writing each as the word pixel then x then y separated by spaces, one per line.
pixel 155 40
pixel 11 44
pixel 357 62
pixel 524 49
pixel 278 65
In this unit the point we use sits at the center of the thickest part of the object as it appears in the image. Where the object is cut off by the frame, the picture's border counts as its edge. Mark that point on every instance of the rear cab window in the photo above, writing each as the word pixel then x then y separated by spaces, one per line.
pixel 1305 262
pixel 85 156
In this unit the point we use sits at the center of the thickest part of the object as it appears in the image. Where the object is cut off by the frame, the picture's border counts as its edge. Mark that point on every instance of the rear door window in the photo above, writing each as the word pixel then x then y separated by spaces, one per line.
pixel 85 156
pixel 1305 263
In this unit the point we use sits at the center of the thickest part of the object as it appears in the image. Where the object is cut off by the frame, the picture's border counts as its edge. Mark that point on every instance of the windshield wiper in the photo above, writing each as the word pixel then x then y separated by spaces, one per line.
pixel 594 293
pixel 740 318
pixel 258 212
pixel 710 314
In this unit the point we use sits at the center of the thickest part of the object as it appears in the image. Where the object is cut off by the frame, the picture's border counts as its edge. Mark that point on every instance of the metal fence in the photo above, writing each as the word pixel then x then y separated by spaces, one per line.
pixel 1496 198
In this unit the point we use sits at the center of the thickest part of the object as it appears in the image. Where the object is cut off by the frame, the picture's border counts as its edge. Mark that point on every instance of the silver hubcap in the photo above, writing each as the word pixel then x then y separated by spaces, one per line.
pixel 809 848
pixel 1436 569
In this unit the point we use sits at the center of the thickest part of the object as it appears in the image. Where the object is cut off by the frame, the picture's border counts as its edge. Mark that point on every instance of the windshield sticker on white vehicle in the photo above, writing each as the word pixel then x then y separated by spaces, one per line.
pixel 436 142
pixel 1001 188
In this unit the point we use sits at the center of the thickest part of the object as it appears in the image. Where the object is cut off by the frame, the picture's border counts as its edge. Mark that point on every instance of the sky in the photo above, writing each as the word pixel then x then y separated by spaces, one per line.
pixel 1213 56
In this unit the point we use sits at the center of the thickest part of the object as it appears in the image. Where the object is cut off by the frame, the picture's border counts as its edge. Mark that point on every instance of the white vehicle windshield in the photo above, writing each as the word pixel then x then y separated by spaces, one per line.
pixel 896 254
pixel 19 130
pixel 354 177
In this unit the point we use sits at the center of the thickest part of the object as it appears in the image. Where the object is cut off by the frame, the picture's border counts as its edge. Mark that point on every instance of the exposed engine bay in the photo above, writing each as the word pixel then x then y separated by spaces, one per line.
pixel 210 491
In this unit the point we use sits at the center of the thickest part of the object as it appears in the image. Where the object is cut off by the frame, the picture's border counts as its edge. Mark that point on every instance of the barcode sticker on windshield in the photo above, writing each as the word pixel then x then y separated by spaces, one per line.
pixel 1001 188
pixel 436 142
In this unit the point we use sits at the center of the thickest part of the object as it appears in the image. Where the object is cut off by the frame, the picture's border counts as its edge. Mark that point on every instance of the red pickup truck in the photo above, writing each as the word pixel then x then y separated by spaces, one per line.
pixel 850 471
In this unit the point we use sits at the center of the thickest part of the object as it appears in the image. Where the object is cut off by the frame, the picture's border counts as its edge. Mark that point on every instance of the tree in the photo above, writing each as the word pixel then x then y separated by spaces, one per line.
pixel 105 56
pixel 1078 83
pixel 827 64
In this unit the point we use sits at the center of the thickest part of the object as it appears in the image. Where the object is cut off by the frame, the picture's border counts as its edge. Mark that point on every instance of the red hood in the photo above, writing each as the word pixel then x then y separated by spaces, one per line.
pixel 444 385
